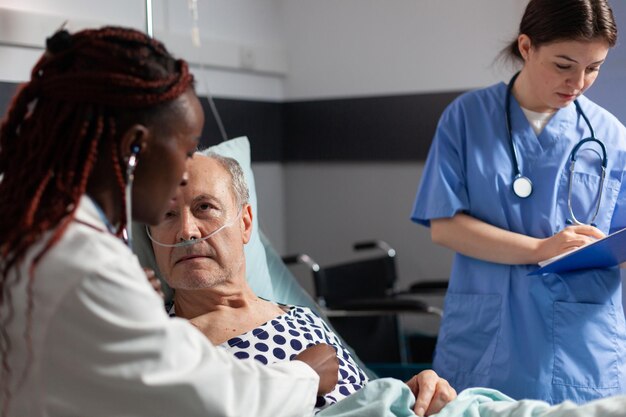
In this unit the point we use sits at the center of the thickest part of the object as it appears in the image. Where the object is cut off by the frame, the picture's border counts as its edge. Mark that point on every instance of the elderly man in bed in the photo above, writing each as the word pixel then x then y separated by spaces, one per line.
pixel 199 249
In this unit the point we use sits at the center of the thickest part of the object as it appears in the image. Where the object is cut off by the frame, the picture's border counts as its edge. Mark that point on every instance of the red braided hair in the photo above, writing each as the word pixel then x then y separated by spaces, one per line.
pixel 51 137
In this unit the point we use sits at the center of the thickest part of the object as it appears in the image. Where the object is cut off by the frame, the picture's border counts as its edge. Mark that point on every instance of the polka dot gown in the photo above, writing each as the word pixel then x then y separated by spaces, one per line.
pixel 282 338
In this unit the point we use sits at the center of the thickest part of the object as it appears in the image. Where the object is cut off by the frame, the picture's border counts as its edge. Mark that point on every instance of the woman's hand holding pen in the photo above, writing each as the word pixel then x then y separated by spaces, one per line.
pixel 568 239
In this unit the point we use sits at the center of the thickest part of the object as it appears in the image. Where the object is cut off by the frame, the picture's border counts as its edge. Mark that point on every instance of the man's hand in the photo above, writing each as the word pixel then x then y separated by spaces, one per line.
pixel 431 392
pixel 156 284
pixel 323 359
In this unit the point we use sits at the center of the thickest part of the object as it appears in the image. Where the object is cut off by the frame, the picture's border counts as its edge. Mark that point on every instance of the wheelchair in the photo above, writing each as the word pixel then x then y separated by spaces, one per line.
pixel 360 299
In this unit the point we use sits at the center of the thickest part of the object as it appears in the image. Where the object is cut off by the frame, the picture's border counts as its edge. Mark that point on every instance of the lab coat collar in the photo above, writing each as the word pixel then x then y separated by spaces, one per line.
pixel 90 214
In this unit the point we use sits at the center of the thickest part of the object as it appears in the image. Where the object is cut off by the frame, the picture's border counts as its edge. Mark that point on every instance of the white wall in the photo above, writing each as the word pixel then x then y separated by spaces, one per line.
pixel 271 205
pixel 227 27
pixel 239 27
pixel 333 48
pixel 370 47
pixel 330 206
pixel 346 48
pixel 255 22
pixel 17 61
pixel 122 12
pixel 351 48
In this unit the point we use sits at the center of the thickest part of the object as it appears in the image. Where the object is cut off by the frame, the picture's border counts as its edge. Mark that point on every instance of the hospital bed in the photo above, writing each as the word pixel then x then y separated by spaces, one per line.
pixel 270 278
pixel 267 275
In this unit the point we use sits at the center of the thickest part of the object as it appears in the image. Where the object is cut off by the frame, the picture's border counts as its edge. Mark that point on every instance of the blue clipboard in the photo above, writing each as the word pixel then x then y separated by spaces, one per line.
pixel 603 253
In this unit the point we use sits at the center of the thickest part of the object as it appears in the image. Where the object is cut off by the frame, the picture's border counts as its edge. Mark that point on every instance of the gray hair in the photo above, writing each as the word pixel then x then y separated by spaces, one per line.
pixel 239 187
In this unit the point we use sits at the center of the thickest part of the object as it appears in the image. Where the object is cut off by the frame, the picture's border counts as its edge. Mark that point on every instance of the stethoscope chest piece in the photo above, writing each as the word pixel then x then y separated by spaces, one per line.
pixel 522 186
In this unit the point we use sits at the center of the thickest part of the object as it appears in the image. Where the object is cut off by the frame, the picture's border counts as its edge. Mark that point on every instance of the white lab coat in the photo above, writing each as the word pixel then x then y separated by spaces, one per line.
pixel 104 346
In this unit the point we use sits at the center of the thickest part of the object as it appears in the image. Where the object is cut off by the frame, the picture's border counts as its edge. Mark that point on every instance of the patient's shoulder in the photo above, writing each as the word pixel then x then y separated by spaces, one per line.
pixel 306 317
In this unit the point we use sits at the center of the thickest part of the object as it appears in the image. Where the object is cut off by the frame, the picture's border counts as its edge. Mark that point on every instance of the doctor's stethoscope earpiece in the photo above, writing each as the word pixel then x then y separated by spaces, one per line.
pixel 522 186
pixel 135 149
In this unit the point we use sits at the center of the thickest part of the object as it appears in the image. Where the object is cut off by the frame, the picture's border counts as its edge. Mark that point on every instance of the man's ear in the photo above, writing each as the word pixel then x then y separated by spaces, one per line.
pixel 133 140
pixel 246 222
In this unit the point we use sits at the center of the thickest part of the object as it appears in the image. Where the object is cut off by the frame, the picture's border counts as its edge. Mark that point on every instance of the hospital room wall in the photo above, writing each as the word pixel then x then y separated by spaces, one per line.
pixel 355 49
pixel 365 49
pixel 339 48
pixel 228 29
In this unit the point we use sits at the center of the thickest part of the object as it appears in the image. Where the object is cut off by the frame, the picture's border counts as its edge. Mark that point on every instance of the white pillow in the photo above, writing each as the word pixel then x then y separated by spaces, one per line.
pixel 256 262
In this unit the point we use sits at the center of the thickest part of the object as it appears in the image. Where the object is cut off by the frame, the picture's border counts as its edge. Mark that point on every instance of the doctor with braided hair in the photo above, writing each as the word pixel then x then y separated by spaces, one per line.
pixel 109 117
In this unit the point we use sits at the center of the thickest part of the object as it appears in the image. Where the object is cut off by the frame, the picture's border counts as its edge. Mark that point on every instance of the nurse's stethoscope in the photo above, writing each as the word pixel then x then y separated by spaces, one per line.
pixel 523 187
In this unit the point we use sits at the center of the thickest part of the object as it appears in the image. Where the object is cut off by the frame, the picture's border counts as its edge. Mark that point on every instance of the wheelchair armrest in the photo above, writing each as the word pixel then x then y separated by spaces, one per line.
pixel 380 306
pixel 375 244
pixel 386 304
pixel 291 259
pixel 427 287
pixel 301 258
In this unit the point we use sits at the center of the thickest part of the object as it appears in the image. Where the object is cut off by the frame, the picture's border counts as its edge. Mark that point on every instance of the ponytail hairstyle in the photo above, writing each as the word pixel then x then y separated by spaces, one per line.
pixel 71 112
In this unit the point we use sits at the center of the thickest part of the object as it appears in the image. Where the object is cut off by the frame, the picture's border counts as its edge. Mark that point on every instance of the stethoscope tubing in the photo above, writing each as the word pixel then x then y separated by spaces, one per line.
pixel 522 186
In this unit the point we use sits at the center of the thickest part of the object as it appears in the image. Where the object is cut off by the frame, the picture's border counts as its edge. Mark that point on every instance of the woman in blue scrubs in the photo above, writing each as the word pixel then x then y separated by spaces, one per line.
pixel 554 337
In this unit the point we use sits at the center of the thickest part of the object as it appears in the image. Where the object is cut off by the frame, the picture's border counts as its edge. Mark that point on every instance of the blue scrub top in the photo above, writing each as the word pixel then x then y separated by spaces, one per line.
pixel 552 337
